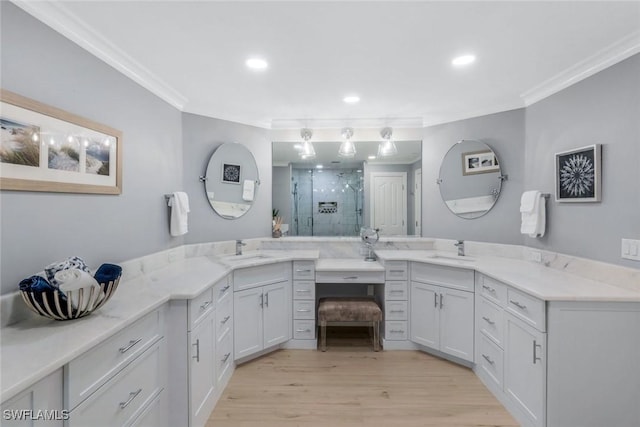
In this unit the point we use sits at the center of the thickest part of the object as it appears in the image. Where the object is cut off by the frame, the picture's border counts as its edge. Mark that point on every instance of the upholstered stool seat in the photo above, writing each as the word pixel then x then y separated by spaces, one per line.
pixel 349 309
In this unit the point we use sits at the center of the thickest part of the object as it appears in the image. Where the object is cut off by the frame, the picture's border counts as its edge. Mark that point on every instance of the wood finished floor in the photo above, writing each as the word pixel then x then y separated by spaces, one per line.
pixel 350 385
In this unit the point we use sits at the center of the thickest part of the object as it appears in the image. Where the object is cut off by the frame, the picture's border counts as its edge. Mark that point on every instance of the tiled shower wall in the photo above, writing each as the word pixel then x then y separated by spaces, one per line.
pixel 344 187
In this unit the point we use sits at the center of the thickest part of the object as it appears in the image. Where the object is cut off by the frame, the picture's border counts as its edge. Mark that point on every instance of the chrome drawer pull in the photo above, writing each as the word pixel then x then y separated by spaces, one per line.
pixel 303 310
pixel 489 288
pixel 205 305
pixel 303 270
pixel 517 304
pixel 535 356
pixel 131 344
pixel 350 278
pixel 396 291
pixel 226 357
pixel 396 271
pixel 225 289
pixel 306 291
pixel 396 311
pixel 396 331
pixel 225 320
pixel 132 396
pixel 197 356
pixel 488 359
pixel 489 321
pixel 303 330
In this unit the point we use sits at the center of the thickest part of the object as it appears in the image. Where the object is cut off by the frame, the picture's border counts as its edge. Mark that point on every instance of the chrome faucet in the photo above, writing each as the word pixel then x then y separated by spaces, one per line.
pixel 460 245
pixel 239 245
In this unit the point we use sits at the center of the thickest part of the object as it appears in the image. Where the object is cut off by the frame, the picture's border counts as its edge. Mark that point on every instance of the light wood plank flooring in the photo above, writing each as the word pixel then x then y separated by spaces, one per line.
pixel 350 385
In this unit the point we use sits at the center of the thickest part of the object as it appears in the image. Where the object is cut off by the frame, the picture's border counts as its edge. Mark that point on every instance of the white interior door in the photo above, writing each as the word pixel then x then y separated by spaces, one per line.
pixel 389 202
pixel 417 188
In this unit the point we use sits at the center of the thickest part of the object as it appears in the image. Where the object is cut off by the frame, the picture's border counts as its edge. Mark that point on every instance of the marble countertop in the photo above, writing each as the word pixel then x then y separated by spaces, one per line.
pixel 34 348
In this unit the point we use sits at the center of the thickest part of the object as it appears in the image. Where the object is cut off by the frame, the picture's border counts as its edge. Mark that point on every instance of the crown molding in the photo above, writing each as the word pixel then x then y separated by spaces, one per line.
pixel 56 16
pixel 612 54
pixel 494 109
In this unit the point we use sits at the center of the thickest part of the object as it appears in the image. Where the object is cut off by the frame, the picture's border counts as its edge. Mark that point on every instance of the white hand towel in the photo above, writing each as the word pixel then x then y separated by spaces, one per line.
pixel 528 201
pixel 79 286
pixel 248 189
pixel 533 218
pixel 179 203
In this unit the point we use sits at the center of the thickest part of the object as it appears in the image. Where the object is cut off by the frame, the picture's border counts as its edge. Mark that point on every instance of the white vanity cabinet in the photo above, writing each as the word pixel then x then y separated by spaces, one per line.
pixel 39 406
pixel 304 300
pixel 442 309
pixel 262 308
pixel 199 332
pixel 118 380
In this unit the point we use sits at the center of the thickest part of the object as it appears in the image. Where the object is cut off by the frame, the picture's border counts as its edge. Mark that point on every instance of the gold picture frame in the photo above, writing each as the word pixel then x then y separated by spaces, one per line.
pixel 44 148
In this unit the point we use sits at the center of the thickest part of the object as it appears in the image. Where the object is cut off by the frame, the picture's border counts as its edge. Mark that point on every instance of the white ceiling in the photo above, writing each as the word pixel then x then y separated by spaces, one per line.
pixel 395 55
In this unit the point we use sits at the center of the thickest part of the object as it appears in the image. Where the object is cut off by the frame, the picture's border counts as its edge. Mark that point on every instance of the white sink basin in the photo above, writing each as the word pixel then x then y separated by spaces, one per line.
pixel 241 258
pixel 453 257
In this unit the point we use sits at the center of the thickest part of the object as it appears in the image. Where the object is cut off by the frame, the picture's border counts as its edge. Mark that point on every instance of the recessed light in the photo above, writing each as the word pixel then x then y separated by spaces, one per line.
pixel 319 166
pixel 371 157
pixel 257 63
pixel 351 99
pixel 460 61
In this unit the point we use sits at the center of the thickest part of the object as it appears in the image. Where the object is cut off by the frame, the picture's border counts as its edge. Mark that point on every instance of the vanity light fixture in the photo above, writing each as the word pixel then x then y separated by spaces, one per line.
pixel 387 147
pixel 462 60
pixel 347 148
pixel 307 151
pixel 257 64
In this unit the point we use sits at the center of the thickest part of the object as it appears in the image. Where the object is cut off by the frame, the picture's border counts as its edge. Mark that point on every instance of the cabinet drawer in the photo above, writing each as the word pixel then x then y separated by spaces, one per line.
pixel 199 307
pixel 350 277
pixel 304 270
pixel 491 321
pixel 492 290
pixel 395 330
pixel 396 291
pixel 491 361
pixel 155 414
pixel 451 277
pixel 304 309
pixel 395 310
pixel 224 357
pixel 304 289
pixel 396 270
pixel 304 329
pixel 260 275
pixel 222 289
pixel 124 397
pixel 224 318
pixel 86 373
pixel 527 308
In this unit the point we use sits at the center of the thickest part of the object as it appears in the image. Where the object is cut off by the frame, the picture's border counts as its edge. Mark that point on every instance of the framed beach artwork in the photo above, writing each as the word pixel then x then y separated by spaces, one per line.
pixel 578 174
pixel 43 148
pixel 479 162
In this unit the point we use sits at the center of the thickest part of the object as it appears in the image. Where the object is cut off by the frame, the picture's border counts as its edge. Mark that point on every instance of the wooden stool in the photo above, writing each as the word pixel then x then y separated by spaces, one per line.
pixel 349 309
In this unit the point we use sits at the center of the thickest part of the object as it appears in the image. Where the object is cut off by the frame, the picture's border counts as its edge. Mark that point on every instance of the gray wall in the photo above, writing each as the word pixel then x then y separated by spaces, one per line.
pixel 603 109
pixel 504 133
pixel 40 228
pixel 200 137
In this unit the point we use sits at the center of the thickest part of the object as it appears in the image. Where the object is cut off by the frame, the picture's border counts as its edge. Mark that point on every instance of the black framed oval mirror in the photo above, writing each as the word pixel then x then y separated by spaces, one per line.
pixel 231 180
pixel 470 179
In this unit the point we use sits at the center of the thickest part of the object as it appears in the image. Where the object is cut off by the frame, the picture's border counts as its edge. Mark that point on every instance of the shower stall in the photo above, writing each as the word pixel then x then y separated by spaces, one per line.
pixel 326 202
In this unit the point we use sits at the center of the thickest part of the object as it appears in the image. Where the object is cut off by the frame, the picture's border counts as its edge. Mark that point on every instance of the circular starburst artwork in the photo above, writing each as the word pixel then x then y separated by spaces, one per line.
pixel 578 175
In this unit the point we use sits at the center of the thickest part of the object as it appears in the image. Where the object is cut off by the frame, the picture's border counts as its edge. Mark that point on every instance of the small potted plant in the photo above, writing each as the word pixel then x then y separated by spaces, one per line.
pixel 276 223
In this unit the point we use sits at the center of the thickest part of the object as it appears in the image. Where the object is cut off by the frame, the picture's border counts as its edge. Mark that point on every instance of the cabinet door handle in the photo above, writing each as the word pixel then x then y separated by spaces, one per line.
pixel 350 278
pixel 197 356
pixel 488 359
pixel 226 357
pixel 435 300
pixel 517 304
pixel 489 321
pixel 441 298
pixel 303 330
pixel 225 320
pixel 261 300
pixel 128 347
pixel 132 396
pixel 535 356
pixel 205 305
pixel 266 299
pixel 489 288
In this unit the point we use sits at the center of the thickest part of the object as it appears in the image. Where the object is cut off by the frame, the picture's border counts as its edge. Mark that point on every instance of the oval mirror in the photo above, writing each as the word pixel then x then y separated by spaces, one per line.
pixel 231 180
pixel 470 179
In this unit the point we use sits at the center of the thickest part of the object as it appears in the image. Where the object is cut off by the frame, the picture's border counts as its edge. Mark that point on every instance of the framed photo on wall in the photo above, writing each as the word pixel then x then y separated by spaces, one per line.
pixel 578 174
pixel 44 148
pixel 231 173
pixel 479 162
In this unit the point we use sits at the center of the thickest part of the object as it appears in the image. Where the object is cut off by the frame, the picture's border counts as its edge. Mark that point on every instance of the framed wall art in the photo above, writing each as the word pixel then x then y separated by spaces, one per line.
pixel 479 162
pixel 578 174
pixel 43 148
pixel 231 173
